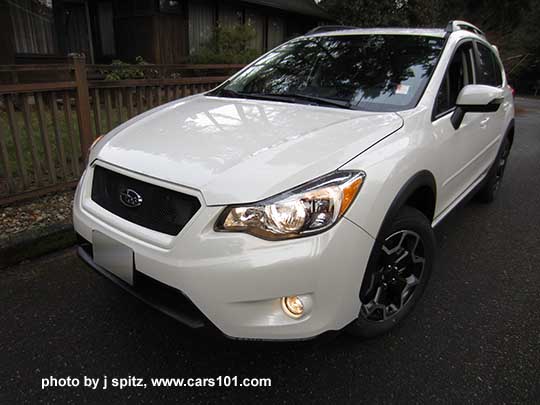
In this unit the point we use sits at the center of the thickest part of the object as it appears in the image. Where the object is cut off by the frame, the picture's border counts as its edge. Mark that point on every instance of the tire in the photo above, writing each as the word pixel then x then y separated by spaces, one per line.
pixel 492 184
pixel 397 274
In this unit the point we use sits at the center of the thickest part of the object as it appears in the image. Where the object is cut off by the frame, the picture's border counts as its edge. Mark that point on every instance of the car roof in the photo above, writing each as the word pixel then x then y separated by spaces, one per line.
pixel 429 32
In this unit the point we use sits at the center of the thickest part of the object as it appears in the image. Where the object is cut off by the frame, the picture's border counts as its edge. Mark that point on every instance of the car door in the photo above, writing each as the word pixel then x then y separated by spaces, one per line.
pixel 486 140
pixel 456 148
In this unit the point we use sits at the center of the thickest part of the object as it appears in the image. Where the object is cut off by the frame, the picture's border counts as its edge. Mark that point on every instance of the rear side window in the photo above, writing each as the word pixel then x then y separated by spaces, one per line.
pixel 458 75
pixel 489 71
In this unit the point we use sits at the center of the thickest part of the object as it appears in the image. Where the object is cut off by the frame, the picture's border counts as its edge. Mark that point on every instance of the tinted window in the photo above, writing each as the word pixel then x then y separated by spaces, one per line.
pixel 370 72
pixel 458 75
pixel 489 71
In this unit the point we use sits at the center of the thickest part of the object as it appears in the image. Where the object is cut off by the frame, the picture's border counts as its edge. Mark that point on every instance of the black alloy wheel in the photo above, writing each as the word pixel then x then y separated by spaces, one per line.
pixel 400 270
pixel 493 181
pixel 397 274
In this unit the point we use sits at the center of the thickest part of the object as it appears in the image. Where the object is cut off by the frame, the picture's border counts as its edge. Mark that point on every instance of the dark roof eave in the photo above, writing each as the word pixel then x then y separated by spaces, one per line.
pixel 303 7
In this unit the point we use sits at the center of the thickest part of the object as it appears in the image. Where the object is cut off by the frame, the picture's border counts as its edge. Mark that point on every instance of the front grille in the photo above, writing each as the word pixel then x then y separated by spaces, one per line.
pixel 161 209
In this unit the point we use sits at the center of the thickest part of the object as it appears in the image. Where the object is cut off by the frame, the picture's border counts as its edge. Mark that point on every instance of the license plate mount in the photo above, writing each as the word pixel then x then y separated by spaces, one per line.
pixel 113 256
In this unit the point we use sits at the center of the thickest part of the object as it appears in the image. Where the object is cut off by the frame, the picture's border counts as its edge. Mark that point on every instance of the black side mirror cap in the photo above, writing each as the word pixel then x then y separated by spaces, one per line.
pixel 457 117
pixel 459 113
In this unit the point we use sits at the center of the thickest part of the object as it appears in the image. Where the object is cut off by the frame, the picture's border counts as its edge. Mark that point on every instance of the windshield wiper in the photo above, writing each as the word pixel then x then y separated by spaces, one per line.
pixel 226 93
pixel 320 100
pixel 291 97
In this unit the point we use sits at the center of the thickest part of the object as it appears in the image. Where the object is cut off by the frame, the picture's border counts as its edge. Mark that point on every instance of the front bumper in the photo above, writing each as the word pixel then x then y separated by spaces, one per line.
pixel 236 280
pixel 153 293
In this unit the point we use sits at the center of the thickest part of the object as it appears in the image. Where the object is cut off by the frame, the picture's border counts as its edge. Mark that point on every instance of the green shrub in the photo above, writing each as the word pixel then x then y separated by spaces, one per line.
pixel 125 70
pixel 228 45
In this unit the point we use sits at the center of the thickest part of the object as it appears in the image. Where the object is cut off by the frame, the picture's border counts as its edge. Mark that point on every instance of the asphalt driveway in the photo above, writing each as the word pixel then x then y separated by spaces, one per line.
pixel 474 338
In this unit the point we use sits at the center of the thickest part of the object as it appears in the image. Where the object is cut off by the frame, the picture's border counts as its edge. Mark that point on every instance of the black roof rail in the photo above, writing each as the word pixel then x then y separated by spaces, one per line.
pixel 329 28
pixel 456 25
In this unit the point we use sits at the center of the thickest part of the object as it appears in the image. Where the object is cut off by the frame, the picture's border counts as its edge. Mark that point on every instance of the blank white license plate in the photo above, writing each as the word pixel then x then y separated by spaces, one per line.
pixel 113 256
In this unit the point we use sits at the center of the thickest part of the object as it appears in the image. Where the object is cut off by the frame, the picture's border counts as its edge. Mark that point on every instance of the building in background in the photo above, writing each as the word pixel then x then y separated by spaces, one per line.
pixel 161 31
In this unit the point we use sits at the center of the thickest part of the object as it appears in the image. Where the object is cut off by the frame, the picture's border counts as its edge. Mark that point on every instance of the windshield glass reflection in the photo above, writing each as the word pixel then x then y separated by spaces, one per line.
pixel 368 72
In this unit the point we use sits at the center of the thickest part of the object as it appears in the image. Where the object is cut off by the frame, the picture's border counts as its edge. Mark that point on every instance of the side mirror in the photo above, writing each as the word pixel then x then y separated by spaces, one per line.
pixel 476 98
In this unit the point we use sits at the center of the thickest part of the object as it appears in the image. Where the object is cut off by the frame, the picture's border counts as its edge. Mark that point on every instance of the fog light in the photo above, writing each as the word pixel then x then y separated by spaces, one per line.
pixel 293 306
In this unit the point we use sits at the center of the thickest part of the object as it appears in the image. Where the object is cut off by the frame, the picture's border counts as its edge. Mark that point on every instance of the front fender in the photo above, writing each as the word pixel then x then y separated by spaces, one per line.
pixel 394 171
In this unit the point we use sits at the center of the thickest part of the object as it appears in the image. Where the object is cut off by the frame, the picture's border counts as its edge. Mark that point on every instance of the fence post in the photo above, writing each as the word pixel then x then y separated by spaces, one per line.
pixel 83 104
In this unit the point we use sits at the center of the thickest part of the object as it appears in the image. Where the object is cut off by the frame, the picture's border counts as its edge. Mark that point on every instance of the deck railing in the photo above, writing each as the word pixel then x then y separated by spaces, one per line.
pixel 47 127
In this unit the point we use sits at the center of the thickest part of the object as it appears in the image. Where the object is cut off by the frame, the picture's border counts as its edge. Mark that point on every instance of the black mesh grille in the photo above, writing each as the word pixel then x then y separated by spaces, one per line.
pixel 162 210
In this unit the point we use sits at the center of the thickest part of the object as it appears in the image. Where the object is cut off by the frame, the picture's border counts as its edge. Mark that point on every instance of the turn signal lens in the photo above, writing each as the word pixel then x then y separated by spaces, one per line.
pixel 96 141
pixel 349 194
pixel 89 151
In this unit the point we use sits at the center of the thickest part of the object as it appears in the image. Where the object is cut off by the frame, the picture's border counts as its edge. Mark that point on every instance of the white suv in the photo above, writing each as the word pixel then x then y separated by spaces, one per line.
pixel 300 196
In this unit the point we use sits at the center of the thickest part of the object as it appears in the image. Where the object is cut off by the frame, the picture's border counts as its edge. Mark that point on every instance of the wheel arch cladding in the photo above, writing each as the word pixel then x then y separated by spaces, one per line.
pixel 419 192
pixel 510 131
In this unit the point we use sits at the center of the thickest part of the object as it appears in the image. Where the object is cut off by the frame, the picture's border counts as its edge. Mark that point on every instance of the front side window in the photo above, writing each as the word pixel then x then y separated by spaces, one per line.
pixel 458 75
pixel 366 72
pixel 489 71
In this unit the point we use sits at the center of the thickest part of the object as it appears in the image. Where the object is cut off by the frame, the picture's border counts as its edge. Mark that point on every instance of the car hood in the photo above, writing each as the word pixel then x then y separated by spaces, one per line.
pixel 238 151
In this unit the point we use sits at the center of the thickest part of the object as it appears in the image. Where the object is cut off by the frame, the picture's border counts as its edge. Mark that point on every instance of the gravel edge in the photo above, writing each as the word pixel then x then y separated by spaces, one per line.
pixel 35 242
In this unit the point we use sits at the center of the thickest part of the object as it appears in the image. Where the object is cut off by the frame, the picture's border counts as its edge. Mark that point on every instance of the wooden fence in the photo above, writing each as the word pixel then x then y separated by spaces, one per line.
pixel 46 128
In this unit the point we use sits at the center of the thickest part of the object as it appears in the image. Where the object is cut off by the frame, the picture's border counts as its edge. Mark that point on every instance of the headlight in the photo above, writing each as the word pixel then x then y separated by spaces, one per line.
pixel 92 146
pixel 96 142
pixel 304 210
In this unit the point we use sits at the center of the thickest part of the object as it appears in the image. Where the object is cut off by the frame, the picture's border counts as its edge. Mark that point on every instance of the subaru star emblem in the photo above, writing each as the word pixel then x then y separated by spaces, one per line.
pixel 130 198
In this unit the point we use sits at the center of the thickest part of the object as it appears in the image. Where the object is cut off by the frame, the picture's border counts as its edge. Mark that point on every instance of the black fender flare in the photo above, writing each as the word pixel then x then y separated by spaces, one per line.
pixel 423 178
pixel 510 131
pixel 508 134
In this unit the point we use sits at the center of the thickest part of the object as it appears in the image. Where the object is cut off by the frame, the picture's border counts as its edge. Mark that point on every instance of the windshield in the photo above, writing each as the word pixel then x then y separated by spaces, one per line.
pixel 367 72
